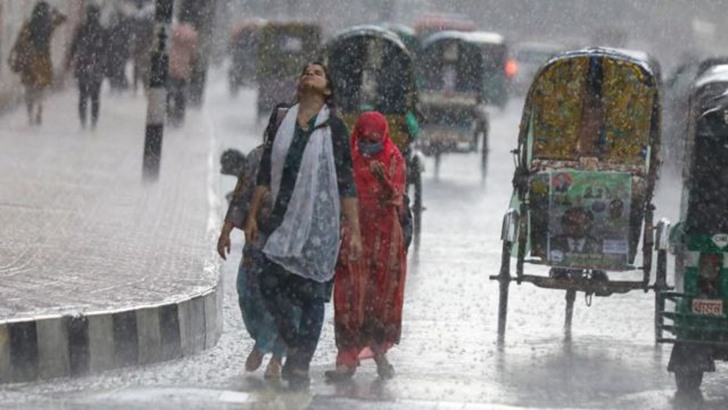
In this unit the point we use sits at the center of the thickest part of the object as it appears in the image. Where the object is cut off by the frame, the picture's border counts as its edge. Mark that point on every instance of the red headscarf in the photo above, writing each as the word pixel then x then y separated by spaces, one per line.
pixel 372 123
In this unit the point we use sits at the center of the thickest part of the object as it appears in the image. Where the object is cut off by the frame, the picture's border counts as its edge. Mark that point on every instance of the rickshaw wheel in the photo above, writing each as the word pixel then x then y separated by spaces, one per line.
pixel 660 286
pixel 483 130
pixel 504 279
pixel 569 314
pixel 688 380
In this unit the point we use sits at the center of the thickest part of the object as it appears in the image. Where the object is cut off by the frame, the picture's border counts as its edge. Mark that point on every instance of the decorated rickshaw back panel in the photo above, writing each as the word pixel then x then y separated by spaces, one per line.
pixel 591 106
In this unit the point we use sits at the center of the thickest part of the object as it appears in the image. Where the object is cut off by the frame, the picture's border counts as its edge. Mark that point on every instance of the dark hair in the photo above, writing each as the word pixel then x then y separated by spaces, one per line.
pixel 40 25
pixel 93 12
pixel 329 83
pixel 577 210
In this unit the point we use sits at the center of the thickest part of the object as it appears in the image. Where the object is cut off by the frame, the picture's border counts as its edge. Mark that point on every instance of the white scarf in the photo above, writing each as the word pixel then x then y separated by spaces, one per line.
pixel 307 241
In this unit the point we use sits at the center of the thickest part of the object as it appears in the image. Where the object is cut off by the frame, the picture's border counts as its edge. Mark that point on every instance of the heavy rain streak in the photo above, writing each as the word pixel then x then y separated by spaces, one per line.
pixel 363 204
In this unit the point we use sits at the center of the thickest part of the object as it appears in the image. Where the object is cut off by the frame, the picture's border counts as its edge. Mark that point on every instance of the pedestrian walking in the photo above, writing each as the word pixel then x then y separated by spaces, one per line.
pixel 369 296
pixel 118 51
pixel 307 168
pixel 30 57
pixel 142 41
pixel 183 54
pixel 258 321
pixel 88 57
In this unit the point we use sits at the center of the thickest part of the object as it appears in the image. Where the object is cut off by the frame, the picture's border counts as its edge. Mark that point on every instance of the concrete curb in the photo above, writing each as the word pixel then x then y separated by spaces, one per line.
pixel 64 345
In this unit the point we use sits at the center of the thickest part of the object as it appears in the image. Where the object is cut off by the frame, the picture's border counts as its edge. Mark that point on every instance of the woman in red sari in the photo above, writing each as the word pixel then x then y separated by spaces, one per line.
pixel 368 295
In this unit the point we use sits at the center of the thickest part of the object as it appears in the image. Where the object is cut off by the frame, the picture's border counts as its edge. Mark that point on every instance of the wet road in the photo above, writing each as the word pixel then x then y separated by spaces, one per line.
pixel 448 357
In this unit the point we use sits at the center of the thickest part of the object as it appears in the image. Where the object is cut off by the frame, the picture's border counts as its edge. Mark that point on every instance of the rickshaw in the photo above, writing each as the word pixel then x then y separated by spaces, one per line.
pixel 243 49
pixel 432 23
pixel 678 91
pixel 407 34
pixel 460 74
pixel 283 49
pixel 586 166
pixel 373 70
pixel 696 315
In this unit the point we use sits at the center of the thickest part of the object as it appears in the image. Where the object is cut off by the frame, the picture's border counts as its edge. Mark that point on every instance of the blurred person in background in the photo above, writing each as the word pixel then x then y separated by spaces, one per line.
pixel 118 51
pixel 182 55
pixel 369 296
pixel 30 57
pixel 87 55
pixel 142 30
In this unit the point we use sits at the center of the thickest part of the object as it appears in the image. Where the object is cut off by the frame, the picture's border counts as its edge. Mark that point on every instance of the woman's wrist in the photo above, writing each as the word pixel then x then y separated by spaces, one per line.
pixel 227 227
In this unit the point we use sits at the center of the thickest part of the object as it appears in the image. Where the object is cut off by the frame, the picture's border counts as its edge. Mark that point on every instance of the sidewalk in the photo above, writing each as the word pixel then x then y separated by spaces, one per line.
pixel 97 269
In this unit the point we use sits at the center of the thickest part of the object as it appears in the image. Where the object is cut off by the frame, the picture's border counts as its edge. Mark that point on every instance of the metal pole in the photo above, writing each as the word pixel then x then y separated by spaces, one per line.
pixel 157 95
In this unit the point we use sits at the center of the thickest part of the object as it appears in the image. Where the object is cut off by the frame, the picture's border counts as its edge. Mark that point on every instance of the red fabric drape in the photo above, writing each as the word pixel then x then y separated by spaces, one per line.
pixel 368 297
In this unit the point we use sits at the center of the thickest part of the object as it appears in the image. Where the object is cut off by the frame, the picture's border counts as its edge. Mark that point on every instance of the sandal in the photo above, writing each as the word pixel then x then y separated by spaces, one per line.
pixel 385 370
pixel 273 370
pixel 298 379
pixel 254 360
pixel 342 373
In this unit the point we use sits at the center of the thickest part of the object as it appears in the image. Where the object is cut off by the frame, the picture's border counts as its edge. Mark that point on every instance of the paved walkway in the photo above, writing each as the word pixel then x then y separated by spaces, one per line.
pixel 81 232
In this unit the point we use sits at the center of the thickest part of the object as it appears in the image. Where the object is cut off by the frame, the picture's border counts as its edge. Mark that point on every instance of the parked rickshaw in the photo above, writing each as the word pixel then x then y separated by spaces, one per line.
pixel 283 49
pixel 432 23
pixel 243 50
pixel 678 91
pixel 460 74
pixel 373 70
pixel 586 166
pixel 696 314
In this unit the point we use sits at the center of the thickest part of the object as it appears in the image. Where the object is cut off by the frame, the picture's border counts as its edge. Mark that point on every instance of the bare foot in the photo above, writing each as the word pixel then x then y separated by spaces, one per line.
pixel 273 370
pixel 254 360
pixel 340 374
pixel 385 370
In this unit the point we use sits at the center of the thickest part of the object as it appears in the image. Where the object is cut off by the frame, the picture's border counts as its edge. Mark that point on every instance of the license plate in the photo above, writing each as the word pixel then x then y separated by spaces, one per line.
pixel 708 307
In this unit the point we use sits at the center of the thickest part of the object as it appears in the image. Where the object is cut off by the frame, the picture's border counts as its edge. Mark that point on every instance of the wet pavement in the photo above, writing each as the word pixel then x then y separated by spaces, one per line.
pixel 448 357
pixel 81 233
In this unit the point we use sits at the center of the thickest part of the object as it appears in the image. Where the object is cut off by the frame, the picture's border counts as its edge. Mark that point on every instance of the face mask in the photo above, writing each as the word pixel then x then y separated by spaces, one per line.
pixel 370 148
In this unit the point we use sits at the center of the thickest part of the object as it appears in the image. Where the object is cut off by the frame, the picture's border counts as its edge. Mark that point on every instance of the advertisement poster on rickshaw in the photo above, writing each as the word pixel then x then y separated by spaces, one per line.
pixel 589 219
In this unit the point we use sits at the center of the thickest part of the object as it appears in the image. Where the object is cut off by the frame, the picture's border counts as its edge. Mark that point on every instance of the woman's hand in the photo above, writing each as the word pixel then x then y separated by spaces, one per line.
pixel 223 244
pixel 377 169
pixel 251 224
pixel 356 249
pixel 251 230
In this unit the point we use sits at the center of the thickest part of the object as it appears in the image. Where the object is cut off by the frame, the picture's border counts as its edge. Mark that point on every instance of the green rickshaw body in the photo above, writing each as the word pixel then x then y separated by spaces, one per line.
pixel 701 238
pixel 588 144
pixel 372 69
pixel 283 49
pixel 459 74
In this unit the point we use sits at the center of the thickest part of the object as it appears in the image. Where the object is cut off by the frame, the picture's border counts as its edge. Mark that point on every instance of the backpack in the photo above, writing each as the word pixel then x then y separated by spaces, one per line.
pixel 406 219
